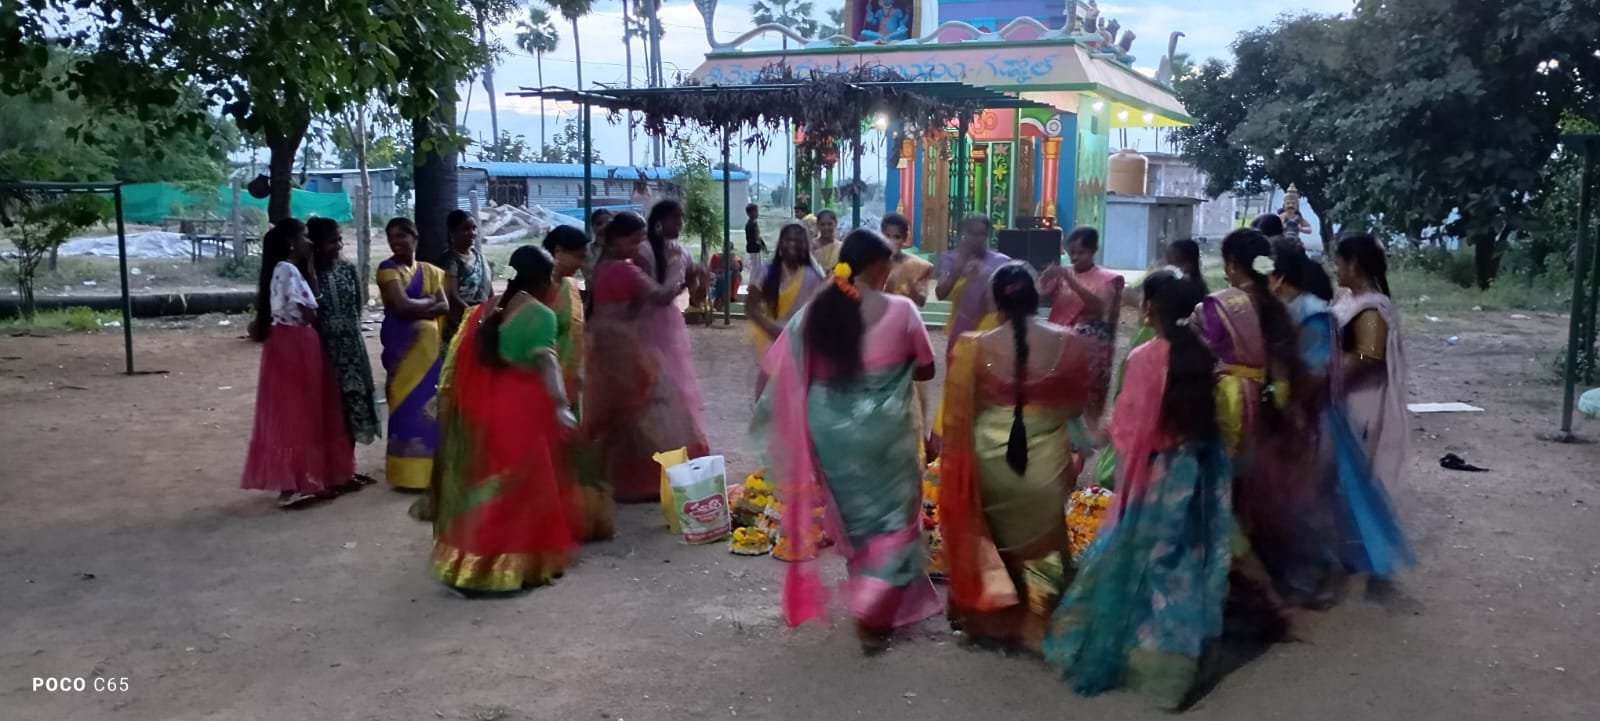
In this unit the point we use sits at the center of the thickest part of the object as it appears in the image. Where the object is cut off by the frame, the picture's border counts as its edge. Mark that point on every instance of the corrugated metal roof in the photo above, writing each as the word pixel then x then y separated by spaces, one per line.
pixel 346 171
pixel 575 170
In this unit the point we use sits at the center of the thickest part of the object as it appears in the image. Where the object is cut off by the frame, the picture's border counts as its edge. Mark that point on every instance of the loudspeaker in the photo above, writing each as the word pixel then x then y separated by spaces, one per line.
pixel 1039 248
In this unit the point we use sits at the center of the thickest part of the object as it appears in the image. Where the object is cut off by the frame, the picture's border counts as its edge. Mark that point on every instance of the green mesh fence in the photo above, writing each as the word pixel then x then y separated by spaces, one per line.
pixel 151 203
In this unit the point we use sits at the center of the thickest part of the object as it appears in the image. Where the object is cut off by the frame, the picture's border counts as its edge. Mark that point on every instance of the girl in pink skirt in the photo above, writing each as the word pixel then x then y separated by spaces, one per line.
pixel 300 446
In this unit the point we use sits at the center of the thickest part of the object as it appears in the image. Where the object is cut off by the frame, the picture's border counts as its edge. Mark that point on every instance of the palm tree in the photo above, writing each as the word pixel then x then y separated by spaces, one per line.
pixel 792 14
pixel 835 25
pixel 537 36
pixel 627 51
pixel 642 23
pixel 572 10
pixel 488 77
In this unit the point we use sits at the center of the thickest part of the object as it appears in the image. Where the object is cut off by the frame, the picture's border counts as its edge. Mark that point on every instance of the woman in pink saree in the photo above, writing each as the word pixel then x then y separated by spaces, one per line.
pixel 836 420
pixel 642 396
pixel 1086 298
pixel 675 404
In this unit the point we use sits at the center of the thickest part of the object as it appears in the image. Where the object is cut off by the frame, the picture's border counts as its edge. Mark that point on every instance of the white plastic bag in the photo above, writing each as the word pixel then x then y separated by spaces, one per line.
pixel 699 492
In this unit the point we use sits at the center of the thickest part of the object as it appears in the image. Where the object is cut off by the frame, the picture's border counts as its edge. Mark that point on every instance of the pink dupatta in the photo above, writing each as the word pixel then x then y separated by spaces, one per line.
pixel 789 445
pixel 1136 423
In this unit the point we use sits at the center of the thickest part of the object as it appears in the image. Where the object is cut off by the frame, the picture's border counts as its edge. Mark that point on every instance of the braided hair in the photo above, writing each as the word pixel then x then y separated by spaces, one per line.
pixel 1016 296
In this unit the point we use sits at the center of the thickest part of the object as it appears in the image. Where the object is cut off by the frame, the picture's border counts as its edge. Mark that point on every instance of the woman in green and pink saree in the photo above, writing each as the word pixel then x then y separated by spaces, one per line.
pixel 836 418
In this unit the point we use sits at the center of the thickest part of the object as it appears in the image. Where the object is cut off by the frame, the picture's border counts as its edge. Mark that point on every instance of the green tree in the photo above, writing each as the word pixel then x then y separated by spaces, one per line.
pixel 835 24
pixel 1273 113
pixel 44 223
pixel 702 203
pixel 536 35
pixel 793 14
pixel 572 10
pixel 271 67
pixel 509 148
pixel 1458 118
pixel 567 147
pixel 436 143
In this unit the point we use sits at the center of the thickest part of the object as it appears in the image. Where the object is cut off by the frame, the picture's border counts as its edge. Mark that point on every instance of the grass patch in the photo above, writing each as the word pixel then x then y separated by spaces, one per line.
pixel 66 320
pixel 1428 292
pixel 71 271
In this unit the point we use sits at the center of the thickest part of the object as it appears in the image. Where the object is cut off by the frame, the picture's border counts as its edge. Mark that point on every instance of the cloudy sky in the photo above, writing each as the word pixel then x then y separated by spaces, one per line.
pixel 1210 25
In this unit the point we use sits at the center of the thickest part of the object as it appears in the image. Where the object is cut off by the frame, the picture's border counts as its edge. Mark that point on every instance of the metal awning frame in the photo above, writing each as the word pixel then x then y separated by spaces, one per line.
pixel 619 100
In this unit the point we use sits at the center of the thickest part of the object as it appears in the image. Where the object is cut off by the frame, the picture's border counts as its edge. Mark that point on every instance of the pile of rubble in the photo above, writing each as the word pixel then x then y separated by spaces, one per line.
pixel 506 223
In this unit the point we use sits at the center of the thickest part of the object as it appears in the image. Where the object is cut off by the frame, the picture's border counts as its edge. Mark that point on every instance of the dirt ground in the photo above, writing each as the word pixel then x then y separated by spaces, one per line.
pixel 130 553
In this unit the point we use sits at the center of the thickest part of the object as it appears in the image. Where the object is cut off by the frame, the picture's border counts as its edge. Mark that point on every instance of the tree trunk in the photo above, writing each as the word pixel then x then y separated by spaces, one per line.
pixel 627 51
pixel 577 53
pixel 282 145
pixel 544 137
pixel 236 220
pixel 27 268
pixel 363 214
pixel 488 89
pixel 435 181
pixel 655 63
pixel 1486 255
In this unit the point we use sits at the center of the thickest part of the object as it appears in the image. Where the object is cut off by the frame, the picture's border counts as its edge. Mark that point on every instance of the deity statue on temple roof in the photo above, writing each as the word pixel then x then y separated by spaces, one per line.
pixel 884 21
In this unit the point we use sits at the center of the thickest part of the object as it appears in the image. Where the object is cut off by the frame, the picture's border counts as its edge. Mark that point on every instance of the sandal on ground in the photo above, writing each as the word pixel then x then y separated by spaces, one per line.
pixel 363 480
pixel 295 500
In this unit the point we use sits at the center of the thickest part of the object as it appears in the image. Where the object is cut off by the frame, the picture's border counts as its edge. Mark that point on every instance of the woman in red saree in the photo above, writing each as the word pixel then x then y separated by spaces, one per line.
pixel 506 519
pixel 1009 397
pixel 631 405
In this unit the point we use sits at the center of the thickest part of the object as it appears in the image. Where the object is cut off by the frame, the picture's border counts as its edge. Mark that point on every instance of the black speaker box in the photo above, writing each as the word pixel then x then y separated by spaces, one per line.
pixel 1040 248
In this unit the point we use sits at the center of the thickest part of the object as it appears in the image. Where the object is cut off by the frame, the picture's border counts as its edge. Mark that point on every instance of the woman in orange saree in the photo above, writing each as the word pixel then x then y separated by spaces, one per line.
pixel 1010 394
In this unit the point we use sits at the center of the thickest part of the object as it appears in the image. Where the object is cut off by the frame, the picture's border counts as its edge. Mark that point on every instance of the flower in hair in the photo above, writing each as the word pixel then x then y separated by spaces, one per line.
pixel 1263 265
pixel 841 280
pixel 1175 271
pixel 1183 323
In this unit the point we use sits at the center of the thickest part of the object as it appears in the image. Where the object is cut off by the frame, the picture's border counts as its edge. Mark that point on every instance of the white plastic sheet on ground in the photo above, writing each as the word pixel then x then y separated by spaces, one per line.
pixel 148 244
pixel 509 223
